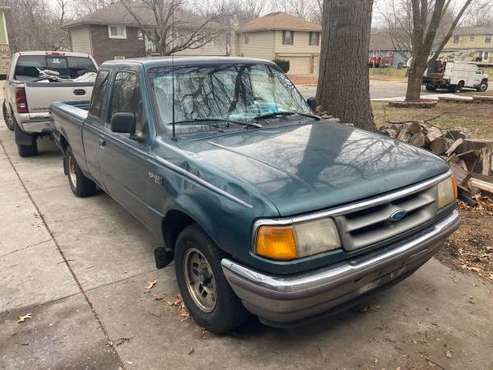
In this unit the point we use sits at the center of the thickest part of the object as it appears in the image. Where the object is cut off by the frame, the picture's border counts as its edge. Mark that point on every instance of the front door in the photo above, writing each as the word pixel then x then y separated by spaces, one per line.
pixel 123 157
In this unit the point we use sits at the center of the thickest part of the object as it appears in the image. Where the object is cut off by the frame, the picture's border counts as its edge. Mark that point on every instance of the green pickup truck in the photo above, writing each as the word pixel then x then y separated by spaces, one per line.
pixel 265 208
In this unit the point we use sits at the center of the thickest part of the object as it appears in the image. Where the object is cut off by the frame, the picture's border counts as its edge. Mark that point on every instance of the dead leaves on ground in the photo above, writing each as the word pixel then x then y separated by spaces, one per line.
pixel 23 318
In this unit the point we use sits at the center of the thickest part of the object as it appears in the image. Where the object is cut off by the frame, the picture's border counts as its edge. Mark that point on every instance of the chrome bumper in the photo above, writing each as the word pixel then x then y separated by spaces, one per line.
pixel 279 300
pixel 35 123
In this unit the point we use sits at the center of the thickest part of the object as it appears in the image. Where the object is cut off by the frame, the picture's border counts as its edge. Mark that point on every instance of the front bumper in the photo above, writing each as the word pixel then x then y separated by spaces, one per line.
pixel 280 300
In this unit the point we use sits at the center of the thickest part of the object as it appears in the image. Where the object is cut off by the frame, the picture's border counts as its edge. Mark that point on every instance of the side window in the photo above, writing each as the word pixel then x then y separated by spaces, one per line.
pixel 99 93
pixel 126 99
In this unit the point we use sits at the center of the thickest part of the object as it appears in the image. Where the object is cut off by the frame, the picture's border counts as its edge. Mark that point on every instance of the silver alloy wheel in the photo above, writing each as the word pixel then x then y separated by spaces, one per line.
pixel 200 280
pixel 483 87
pixel 72 175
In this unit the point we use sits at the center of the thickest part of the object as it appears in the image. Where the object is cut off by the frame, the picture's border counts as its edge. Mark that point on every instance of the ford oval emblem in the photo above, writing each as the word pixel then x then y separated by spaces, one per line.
pixel 397 215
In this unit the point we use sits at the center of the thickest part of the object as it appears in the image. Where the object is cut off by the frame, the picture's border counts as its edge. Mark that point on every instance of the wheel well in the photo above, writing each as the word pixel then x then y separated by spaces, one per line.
pixel 484 80
pixel 63 143
pixel 173 224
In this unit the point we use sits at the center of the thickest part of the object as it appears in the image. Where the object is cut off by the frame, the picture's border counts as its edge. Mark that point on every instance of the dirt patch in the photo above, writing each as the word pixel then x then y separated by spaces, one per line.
pixel 471 247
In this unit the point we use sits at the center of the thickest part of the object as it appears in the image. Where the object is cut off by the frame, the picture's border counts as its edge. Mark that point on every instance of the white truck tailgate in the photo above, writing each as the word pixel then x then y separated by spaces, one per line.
pixel 41 94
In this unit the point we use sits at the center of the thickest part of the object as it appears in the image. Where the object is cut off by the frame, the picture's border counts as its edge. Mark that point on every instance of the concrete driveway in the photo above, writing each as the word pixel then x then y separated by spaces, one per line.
pixel 81 267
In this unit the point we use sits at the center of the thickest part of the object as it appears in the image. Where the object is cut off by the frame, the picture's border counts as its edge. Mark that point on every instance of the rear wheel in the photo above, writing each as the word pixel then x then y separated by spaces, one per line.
pixel 459 87
pixel 205 291
pixel 28 150
pixel 6 117
pixel 81 185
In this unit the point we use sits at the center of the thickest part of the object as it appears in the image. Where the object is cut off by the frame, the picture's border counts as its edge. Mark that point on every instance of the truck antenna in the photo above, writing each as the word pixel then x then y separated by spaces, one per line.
pixel 173 119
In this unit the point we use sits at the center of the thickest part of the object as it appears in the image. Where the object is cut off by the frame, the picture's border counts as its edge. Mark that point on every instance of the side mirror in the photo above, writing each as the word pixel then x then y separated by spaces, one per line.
pixel 123 123
pixel 312 103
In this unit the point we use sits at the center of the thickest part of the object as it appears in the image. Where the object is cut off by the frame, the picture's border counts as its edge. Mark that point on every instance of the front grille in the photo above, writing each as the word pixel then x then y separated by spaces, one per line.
pixel 373 225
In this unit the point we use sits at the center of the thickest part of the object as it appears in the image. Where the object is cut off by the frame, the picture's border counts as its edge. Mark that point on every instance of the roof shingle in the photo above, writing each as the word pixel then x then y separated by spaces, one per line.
pixel 280 22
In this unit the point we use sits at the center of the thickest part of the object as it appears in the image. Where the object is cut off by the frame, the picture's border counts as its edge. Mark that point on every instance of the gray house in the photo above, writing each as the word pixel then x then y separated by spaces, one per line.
pixel 381 46
pixel 113 33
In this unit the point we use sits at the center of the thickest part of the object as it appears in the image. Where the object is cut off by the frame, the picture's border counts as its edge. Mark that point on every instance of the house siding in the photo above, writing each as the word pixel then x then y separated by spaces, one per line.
pixel 301 44
pixel 81 40
pixel 220 46
pixel 260 45
pixel 104 48
pixel 475 47
pixel 303 57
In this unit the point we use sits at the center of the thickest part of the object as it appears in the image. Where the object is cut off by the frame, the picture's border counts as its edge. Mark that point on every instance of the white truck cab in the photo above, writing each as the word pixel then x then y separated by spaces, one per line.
pixel 35 80
pixel 455 76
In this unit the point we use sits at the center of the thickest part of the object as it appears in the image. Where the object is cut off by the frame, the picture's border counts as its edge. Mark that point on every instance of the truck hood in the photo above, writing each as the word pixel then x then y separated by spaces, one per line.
pixel 303 168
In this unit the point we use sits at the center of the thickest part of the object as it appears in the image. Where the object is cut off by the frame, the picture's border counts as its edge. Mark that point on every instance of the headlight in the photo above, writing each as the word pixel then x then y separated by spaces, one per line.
pixel 297 241
pixel 447 192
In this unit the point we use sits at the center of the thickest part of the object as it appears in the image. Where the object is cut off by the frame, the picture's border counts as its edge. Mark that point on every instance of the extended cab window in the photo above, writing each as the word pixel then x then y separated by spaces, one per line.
pixel 126 98
pixel 99 94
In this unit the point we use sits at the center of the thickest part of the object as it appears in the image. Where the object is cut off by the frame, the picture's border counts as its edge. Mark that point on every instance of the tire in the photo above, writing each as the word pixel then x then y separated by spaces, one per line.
pixel 483 87
pixel 6 117
pixel 459 87
pixel 26 151
pixel 430 87
pixel 81 185
pixel 219 315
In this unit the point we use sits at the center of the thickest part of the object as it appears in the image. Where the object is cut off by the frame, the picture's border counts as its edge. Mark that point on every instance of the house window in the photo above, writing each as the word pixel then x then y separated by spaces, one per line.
pixel 456 39
pixel 287 37
pixel 245 38
pixel 314 38
pixel 487 39
pixel 117 32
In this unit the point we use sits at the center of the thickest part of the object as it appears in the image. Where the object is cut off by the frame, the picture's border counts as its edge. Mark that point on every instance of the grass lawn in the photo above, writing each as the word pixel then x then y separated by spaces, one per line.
pixel 478 118
pixel 387 74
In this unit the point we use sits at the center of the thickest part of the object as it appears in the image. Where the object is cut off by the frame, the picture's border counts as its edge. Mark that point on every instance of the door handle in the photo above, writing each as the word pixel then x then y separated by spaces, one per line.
pixel 102 142
pixel 79 92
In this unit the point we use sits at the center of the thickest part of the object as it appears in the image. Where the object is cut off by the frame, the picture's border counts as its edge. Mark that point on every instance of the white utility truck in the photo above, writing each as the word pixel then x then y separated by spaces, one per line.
pixel 455 76
pixel 35 80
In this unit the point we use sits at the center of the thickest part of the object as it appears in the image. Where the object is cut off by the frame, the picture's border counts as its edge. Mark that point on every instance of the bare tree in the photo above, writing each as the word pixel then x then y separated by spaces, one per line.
pixel 35 25
pixel 424 24
pixel 343 91
pixel 172 28
pixel 308 9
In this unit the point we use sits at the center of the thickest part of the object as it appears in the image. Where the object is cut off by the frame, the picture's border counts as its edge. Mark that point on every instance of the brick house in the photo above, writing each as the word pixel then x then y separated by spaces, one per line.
pixel 113 33
pixel 282 36
pixel 4 42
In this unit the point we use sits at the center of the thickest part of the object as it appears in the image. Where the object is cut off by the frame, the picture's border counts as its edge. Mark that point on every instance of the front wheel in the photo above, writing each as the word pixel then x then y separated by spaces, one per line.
pixel 430 87
pixel 205 291
pixel 81 185
pixel 483 87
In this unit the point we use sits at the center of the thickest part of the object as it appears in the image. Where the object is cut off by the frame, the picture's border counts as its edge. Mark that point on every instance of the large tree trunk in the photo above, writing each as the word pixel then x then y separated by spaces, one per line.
pixel 343 89
pixel 415 80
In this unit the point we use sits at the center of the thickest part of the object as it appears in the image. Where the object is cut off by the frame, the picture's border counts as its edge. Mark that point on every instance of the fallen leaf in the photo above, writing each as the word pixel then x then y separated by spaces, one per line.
pixel 23 318
pixel 122 340
pixel 191 351
pixel 448 354
pixel 150 284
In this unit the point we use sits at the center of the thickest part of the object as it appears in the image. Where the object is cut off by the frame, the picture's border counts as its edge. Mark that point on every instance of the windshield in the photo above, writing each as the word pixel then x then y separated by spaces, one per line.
pixel 31 67
pixel 224 92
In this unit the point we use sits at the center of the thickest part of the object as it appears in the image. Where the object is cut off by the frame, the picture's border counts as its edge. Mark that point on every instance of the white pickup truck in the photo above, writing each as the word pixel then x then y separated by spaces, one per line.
pixel 455 76
pixel 34 81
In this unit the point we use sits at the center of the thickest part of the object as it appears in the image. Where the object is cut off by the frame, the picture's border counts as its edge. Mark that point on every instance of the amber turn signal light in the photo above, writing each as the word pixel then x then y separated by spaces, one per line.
pixel 276 242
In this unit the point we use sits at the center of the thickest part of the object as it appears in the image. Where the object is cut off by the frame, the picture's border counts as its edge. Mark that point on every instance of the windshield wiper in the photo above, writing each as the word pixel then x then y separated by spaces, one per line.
pixel 225 120
pixel 284 114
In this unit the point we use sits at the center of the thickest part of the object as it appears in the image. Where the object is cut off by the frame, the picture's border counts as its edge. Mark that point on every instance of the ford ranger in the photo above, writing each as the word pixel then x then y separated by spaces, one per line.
pixel 264 207
pixel 36 79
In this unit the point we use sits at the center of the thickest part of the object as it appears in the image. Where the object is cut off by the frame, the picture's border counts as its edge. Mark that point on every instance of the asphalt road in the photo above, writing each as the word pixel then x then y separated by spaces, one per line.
pixel 81 268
